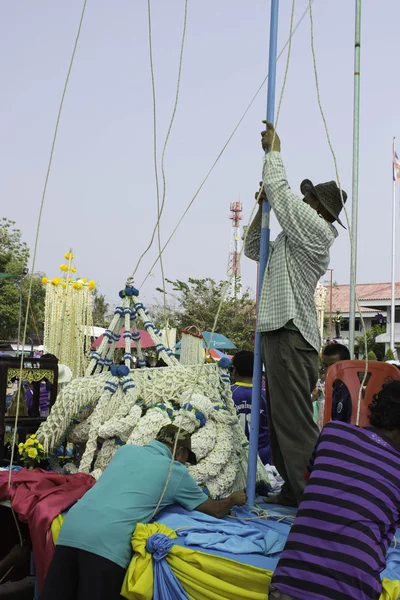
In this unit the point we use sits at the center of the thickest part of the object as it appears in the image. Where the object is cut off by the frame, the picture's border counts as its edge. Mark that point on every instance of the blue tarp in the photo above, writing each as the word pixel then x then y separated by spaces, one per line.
pixel 258 542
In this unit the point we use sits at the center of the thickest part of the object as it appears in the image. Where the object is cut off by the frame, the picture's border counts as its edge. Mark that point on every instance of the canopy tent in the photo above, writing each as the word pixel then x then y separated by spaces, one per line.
pixel 214 341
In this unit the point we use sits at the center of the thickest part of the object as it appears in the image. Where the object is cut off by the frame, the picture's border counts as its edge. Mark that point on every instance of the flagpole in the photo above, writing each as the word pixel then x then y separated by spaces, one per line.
pixel 354 207
pixel 264 248
pixel 393 303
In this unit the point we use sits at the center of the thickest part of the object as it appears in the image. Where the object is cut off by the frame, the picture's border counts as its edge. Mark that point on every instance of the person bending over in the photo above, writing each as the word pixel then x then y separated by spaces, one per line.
pixel 287 316
pixel 94 547
pixel 350 510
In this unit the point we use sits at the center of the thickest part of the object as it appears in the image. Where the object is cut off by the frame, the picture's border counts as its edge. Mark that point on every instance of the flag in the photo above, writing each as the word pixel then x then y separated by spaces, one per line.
pixel 396 164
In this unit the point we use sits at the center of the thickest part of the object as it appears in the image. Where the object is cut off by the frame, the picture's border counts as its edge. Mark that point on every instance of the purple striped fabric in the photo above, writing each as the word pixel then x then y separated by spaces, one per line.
pixel 337 546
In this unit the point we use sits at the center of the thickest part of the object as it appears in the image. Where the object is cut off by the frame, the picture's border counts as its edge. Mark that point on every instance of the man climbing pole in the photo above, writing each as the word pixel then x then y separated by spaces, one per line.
pixel 287 317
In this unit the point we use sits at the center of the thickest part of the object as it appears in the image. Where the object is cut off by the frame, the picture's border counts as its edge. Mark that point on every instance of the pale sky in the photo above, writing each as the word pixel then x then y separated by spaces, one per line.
pixel 101 196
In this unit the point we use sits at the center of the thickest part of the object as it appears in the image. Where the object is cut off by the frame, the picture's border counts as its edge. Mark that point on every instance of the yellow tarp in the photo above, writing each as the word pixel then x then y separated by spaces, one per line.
pixel 390 590
pixel 199 573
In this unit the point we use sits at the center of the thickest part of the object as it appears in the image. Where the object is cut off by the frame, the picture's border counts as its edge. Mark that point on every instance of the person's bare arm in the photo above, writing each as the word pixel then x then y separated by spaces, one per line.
pixel 220 508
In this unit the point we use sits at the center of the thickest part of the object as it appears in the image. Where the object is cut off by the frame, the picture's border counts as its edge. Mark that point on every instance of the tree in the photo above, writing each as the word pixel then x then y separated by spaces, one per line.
pixel 372 355
pixel 14 283
pixel 196 303
pixel 101 309
pixel 372 345
pixel 389 355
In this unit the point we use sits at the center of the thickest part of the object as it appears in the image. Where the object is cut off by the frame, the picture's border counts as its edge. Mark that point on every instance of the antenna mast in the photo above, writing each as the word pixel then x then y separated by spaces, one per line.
pixel 233 271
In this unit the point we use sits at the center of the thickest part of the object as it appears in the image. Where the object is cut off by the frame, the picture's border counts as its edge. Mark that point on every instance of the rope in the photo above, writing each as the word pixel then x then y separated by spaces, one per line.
pixel 261 87
pixel 21 542
pixel 31 278
pixel 341 195
pixel 160 207
pixel 166 142
pixel 153 88
pixel 225 287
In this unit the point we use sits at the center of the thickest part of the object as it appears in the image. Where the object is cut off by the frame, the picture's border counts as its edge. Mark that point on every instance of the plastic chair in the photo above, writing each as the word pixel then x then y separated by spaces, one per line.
pixel 351 373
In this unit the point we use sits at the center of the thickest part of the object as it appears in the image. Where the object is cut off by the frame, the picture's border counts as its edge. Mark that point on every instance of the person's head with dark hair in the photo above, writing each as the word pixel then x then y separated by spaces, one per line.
pixel 331 354
pixel 385 410
pixel 243 363
pixel 48 355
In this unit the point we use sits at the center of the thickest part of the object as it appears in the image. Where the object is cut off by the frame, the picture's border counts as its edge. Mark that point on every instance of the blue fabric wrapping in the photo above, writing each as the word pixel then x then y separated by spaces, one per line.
pixel 166 584
pixel 258 542
pixel 159 545
pixel 392 570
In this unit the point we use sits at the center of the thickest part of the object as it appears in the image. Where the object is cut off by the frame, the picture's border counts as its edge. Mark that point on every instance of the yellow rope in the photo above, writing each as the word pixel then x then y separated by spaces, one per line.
pixel 31 278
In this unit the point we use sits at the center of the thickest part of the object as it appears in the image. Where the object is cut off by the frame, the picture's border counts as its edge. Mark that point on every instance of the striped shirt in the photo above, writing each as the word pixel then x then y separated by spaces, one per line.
pixel 298 258
pixel 337 546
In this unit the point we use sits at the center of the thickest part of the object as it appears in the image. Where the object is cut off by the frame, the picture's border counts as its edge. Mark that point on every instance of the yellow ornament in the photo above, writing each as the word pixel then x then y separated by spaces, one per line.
pixel 83 280
pixel 69 256
pixel 45 280
pixel 33 437
pixel 32 452
pixel 92 284
pixel 29 442
pixel 73 270
pixel 63 267
pixel 70 280
pixel 40 447
pixel 55 281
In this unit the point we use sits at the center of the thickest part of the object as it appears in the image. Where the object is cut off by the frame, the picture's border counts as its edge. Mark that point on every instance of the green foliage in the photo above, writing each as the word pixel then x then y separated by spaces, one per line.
pixel 101 310
pixel 196 303
pixel 389 355
pixel 14 255
pixel 378 349
pixel 372 355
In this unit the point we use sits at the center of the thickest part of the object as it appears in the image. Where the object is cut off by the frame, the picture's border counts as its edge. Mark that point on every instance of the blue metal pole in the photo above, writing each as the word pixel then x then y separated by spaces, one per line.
pixel 264 249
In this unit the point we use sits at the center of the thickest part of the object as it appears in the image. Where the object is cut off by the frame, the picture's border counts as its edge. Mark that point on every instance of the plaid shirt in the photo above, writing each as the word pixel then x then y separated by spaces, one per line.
pixel 297 259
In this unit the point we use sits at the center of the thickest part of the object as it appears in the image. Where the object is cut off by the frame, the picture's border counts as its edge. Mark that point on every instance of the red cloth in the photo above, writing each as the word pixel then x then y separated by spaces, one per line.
pixel 37 497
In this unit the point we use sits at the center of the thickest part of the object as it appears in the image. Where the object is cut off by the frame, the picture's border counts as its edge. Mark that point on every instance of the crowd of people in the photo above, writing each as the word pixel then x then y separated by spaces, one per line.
pixel 344 480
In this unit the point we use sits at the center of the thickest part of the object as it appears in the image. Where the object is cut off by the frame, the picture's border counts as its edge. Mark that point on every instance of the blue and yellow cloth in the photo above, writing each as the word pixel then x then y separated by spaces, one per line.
pixel 163 570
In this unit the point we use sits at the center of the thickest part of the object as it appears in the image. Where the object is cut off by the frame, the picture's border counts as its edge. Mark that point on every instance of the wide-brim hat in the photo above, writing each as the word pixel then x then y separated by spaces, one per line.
pixel 328 195
pixel 167 435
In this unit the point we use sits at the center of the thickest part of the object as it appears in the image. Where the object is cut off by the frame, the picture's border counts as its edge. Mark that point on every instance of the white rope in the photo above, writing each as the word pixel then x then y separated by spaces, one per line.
pixel 31 278
pixel 227 283
pixel 21 543
pixel 6 574
pixel 166 141
pixel 344 207
pixel 160 206
pixel 261 87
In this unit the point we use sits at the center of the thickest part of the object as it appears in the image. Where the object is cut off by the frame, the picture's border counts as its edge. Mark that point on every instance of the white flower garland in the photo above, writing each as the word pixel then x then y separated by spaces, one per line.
pixel 197 398
pixel 203 440
pixel 211 465
pixel 149 426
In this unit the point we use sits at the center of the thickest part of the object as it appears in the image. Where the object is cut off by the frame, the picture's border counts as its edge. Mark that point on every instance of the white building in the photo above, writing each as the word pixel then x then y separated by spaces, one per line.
pixel 375 303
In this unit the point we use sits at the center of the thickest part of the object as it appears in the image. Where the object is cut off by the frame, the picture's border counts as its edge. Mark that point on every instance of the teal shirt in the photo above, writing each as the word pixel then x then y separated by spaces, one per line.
pixel 103 520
